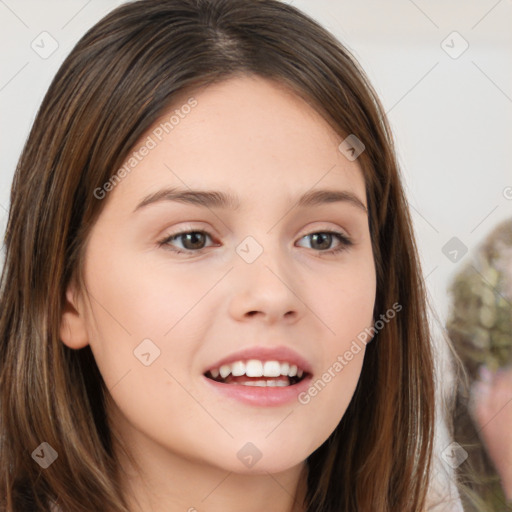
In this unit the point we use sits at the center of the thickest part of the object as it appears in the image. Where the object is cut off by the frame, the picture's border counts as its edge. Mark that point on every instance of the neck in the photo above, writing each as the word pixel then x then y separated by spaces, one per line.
pixel 156 480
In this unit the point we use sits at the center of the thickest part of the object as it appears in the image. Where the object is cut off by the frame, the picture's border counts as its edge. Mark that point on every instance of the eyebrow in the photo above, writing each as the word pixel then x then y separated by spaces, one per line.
pixel 218 199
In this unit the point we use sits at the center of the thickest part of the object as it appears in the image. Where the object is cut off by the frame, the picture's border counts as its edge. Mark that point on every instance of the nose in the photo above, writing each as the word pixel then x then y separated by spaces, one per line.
pixel 266 288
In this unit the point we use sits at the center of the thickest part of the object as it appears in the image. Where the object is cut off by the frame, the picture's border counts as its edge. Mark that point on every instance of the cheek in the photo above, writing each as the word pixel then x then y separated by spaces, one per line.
pixel 330 392
pixel 134 322
pixel 141 299
pixel 332 387
pixel 345 304
pixel 346 310
pixel 144 327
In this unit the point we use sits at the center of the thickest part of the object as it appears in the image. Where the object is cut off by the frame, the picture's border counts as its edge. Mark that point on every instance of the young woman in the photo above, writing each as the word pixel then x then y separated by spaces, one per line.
pixel 212 298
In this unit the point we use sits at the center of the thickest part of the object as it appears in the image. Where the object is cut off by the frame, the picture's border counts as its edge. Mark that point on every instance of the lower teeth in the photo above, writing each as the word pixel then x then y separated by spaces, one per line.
pixel 278 382
pixel 263 383
pixel 281 383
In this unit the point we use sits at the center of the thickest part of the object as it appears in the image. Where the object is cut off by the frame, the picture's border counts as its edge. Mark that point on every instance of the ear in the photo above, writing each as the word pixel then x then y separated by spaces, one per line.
pixel 73 332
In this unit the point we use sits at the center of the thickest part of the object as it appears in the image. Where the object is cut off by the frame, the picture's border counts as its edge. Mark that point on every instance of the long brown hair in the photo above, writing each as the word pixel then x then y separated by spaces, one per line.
pixel 118 80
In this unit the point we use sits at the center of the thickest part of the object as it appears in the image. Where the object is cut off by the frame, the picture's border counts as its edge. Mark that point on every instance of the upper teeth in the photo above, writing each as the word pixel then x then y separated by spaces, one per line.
pixel 256 368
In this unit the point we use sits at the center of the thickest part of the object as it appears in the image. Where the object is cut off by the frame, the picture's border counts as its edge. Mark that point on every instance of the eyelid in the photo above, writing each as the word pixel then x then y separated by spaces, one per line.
pixel 322 229
pixel 327 229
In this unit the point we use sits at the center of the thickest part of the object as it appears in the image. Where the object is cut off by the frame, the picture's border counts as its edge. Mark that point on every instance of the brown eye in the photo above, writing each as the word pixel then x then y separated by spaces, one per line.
pixel 321 241
pixel 193 241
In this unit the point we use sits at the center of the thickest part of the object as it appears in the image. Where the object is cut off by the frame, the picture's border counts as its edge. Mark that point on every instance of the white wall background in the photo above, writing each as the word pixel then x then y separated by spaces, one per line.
pixel 450 110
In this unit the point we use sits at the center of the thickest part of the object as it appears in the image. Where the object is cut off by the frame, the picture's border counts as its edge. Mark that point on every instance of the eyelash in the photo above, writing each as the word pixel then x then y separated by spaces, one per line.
pixel 345 242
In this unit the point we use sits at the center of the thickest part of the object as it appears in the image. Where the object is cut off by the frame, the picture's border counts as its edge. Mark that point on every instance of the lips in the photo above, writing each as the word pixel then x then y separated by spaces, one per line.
pixel 260 367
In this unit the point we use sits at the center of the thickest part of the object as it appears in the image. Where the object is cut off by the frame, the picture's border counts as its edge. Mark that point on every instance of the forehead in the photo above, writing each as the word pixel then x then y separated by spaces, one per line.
pixel 245 134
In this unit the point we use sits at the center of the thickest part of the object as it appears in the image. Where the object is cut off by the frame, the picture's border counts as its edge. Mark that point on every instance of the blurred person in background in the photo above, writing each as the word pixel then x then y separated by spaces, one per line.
pixel 480 328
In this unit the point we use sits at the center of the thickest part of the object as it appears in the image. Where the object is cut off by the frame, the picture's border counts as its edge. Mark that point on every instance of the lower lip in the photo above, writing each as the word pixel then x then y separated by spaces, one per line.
pixel 264 396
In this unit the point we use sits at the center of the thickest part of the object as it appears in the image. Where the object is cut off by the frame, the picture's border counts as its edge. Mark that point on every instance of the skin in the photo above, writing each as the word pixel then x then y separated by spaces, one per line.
pixel 252 137
pixel 492 412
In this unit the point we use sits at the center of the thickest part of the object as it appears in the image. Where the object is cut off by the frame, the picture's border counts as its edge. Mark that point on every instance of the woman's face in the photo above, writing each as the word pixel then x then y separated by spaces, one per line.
pixel 260 282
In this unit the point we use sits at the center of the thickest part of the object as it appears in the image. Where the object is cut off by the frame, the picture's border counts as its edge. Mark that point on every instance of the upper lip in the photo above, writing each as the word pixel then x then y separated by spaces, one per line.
pixel 280 353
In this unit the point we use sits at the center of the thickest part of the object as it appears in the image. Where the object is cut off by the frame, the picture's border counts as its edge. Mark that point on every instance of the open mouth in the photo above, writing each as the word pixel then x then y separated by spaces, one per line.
pixel 254 372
